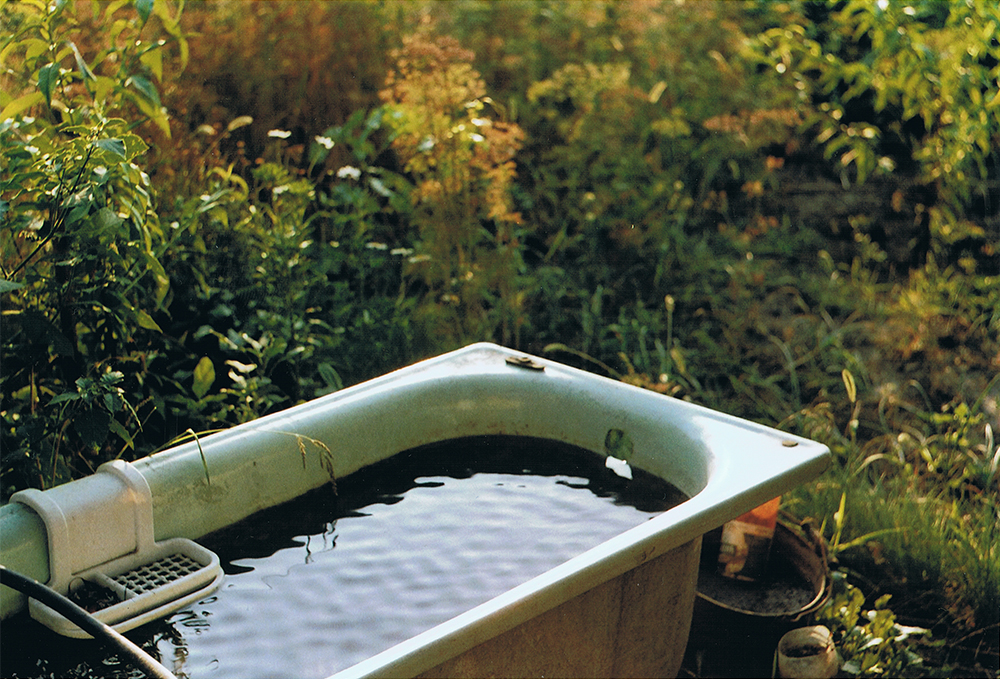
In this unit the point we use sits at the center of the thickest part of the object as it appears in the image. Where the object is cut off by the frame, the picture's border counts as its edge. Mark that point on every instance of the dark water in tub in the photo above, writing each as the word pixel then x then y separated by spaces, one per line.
pixel 325 581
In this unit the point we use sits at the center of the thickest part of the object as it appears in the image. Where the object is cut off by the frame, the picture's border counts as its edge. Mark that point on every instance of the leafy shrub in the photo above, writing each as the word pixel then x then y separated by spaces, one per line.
pixel 461 160
pixel 82 276
pixel 903 85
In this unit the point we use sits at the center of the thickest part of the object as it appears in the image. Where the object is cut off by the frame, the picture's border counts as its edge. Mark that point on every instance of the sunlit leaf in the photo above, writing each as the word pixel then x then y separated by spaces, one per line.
pixel 153 60
pixel 81 64
pixel 238 122
pixel 204 376
pixel 146 321
pixel 115 146
pixel 852 389
pixel 21 104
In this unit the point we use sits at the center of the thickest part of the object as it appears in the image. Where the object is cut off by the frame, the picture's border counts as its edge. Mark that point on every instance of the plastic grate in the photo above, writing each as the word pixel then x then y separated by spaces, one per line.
pixel 159 573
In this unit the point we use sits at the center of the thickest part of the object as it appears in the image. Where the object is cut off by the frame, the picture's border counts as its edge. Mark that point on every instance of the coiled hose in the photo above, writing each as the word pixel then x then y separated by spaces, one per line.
pixel 85 621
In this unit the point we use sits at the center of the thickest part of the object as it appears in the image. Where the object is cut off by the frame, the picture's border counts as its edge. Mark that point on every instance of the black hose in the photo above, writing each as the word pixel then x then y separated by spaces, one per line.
pixel 84 621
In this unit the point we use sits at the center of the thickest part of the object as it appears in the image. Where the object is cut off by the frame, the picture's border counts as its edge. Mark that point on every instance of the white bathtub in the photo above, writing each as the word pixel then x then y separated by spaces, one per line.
pixel 622 608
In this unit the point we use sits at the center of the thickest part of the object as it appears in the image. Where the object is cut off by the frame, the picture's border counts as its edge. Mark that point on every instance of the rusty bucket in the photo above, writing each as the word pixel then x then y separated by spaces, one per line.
pixel 737 625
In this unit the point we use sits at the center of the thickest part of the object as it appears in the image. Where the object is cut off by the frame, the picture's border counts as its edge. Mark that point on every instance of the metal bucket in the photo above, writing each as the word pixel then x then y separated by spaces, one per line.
pixel 736 625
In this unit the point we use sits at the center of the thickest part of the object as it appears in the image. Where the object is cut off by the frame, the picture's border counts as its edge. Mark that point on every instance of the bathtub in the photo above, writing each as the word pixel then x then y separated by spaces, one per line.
pixel 622 608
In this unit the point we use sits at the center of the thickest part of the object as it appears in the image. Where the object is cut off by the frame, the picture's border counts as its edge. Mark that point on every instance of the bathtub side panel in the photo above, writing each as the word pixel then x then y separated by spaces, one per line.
pixel 635 625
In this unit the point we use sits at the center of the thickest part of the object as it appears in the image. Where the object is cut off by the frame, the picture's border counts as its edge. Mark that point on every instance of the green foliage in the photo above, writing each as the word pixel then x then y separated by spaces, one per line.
pixel 870 642
pixel 461 160
pixel 78 249
pixel 896 82
pixel 662 192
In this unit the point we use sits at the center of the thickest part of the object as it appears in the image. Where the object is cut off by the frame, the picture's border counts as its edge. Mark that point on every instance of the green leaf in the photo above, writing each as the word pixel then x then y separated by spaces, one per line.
pixel 330 376
pixel 153 60
pixel 115 146
pixel 63 397
pixel 144 87
pixel 123 433
pixel 106 220
pixel 112 377
pixel 103 86
pixel 20 104
pixel 7 286
pixel 204 376
pixel 144 9
pixel 618 444
pixel 155 113
pixel 48 75
pixel 38 329
pixel 92 426
pixel 146 321
pixel 81 64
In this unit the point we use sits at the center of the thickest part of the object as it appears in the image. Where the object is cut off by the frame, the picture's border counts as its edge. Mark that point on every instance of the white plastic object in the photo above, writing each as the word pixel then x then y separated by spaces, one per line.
pixel 101 531
pixel 807 652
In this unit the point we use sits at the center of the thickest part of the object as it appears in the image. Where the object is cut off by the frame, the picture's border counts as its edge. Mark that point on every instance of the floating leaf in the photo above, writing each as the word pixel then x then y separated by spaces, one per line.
pixel 618 444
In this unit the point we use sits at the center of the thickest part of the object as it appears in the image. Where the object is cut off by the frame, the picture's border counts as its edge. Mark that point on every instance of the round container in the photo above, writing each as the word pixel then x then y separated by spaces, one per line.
pixel 807 652
pixel 736 624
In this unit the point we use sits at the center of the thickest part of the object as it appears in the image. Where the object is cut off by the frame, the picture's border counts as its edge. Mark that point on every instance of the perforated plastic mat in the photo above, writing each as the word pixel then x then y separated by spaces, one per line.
pixel 157 574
